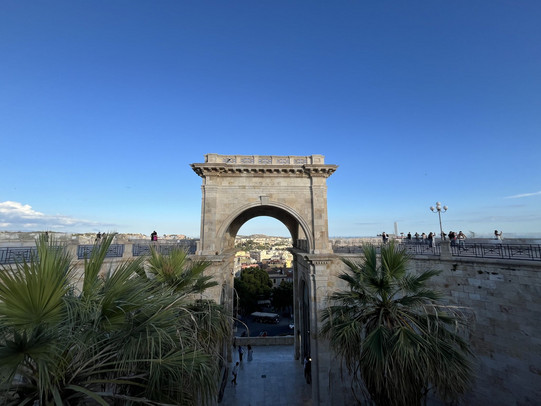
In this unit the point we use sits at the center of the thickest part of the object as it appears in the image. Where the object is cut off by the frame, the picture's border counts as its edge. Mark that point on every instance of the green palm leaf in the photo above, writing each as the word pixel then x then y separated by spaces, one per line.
pixel 394 337
pixel 122 338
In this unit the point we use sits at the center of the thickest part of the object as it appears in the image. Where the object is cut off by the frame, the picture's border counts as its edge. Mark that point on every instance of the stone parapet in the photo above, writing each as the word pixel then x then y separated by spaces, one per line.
pixel 265 159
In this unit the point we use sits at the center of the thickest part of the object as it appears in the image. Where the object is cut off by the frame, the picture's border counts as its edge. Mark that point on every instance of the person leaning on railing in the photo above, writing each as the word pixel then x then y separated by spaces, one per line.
pixel 461 237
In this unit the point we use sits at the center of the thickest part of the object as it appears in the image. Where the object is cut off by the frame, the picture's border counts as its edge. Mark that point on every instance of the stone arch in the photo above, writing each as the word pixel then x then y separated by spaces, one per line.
pixel 293 190
pixel 234 185
pixel 286 215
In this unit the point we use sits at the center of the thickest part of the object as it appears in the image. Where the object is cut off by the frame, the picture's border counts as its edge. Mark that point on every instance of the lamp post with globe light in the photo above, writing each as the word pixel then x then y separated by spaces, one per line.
pixel 439 209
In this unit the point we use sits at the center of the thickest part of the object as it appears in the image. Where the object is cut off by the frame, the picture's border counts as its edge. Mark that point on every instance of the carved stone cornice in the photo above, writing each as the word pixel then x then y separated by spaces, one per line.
pixel 219 169
pixel 270 165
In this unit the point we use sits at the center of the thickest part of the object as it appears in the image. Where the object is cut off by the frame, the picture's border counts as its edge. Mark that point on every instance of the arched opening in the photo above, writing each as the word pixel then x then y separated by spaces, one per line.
pixel 296 226
pixel 263 279
pixel 296 319
pixel 264 225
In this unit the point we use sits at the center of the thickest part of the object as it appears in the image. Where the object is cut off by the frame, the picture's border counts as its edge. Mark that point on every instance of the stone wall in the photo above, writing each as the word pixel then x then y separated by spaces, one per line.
pixel 503 298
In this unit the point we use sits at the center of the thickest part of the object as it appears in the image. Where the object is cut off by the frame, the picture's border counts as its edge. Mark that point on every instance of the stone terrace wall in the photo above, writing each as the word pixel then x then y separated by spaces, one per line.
pixel 505 299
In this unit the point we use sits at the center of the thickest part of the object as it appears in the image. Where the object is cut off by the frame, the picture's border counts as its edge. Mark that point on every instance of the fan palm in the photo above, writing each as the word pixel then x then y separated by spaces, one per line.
pixel 394 337
pixel 120 339
pixel 178 272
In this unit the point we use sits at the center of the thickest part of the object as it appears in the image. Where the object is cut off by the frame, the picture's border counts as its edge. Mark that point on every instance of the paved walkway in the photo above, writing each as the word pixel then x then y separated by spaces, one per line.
pixel 273 377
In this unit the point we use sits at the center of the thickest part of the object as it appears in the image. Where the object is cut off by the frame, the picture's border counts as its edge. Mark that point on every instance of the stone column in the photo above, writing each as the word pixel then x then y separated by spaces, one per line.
pixel 445 246
pixel 320 271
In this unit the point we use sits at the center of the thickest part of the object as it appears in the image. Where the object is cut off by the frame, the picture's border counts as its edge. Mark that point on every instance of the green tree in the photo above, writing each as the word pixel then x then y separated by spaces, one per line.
pixel 117 338
pixel 254 284
pixel 282 296
pixel 396 340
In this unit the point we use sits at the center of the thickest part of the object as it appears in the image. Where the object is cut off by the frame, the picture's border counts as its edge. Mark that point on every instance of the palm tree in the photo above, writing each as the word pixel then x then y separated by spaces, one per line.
pixel 178 272
pixel 397 342
pixel 121 338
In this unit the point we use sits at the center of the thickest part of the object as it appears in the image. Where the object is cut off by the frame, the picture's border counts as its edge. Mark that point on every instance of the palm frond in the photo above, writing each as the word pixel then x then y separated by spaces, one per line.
pixel 390 330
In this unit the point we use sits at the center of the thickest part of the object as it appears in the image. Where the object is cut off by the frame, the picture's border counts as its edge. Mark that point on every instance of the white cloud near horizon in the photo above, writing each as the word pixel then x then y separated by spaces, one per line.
pixel 523 195
pixel 22 217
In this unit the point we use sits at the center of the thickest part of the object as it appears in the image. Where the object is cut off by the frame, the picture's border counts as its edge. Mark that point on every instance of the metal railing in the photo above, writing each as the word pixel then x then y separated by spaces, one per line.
pixel 164 248
pixel 12 255
pixel 525 252
pixel 114 251
pixel 414 249
pixel 422 249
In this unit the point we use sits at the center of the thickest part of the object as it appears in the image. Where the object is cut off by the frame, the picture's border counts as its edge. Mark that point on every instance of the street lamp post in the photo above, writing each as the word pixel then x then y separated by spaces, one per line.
pixel 439 209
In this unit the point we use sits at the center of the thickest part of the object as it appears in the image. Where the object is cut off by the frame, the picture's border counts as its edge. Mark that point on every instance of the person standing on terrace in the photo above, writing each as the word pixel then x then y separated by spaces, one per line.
pixel 461 237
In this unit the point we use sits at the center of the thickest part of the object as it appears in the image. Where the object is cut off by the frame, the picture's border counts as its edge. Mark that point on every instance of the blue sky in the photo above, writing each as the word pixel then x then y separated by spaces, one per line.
pixel 105 104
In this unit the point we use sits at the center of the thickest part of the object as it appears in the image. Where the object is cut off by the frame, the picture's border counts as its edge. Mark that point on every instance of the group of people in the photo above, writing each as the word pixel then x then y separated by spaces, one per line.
pixel 455 238
pixel 423 238
pixel 235 370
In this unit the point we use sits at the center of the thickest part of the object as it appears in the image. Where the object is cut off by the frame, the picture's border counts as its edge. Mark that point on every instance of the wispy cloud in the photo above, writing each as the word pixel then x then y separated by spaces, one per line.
pixel 22 217
pixel 524 195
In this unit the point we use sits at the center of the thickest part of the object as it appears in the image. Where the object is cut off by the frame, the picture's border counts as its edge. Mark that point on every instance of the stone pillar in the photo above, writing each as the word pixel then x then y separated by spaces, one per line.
pixel 320 272
pixel 296 309
pixel 445 246
pixel 319 214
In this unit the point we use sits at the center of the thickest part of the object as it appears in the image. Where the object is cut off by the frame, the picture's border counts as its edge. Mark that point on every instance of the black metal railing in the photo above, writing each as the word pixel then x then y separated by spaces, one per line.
pixel 414 249
pixel 114 251
pixel 422 249
pixel 12 255
pixel 144 249
pixel 526 252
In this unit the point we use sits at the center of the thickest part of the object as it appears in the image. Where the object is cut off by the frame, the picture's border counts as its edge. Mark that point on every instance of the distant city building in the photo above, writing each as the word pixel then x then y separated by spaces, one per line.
pixel 283 275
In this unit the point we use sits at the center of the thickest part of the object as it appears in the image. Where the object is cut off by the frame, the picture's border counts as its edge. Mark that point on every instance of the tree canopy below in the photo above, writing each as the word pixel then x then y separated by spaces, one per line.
pixel 254 284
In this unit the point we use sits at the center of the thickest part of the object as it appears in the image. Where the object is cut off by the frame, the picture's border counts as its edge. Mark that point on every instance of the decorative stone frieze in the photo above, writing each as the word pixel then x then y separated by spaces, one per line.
pixel 232 165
